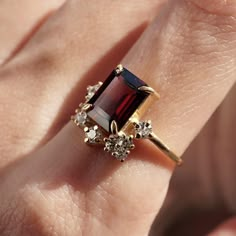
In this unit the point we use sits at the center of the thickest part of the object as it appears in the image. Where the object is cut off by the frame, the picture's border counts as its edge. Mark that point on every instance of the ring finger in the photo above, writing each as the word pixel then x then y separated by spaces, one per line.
pixel 188 55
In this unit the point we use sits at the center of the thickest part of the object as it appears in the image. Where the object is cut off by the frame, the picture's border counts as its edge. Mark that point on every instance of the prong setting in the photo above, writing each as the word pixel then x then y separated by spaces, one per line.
pixel 86 107
pixel 92 135
pixel 119 69
pixel 113 127
pixel 149 90
pixel 86 129
pixel 142 129
pixel 119 145
pixel 80 118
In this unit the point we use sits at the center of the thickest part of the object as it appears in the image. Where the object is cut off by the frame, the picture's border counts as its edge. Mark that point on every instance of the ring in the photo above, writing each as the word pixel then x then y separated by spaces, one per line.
pixel 110 115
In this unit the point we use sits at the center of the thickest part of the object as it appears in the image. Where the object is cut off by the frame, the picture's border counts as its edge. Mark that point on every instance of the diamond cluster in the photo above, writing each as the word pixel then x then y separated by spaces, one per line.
pixel 119 145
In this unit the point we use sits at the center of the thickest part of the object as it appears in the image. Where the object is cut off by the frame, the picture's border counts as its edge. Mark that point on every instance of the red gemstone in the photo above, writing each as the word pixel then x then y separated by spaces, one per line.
pixel 117 99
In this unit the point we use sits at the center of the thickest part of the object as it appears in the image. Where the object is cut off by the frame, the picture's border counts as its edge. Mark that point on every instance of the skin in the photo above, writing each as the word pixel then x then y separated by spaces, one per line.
pixel 20 21
pixel 51 182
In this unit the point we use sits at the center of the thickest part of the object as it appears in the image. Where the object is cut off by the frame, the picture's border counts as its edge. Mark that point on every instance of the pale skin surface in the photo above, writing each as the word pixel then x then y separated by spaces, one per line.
pixel 53 184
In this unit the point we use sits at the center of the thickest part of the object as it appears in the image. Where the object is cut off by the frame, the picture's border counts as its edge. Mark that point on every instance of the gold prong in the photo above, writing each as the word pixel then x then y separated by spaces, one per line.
pixel 132 146
pixel 100 83
pixel 113 127
pixel 106 149
pixel 165 149
pixel 105 139
pixel 77 110
pixel 119 69
pixel 86 129
pixel 86 106
pixel 149 90
pixel 86 140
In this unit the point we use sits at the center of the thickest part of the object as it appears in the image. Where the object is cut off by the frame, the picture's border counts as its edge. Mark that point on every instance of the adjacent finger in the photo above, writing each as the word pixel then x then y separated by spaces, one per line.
pixel 19 20
pixel 227 228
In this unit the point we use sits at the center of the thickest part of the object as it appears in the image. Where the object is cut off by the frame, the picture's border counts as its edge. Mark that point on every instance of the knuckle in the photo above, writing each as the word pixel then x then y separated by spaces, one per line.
pixel 218 7
pixel 11 218
pixel 204 33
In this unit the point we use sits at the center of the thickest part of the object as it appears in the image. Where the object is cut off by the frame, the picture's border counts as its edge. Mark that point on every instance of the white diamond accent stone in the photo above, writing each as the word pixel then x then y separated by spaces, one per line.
pixel 119 146
pixel 91 90
pixel 81 117
pixel 143 129
pixel 92 134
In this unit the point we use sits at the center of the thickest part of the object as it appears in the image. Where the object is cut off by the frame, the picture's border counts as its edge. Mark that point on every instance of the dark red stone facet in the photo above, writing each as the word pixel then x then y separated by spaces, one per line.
pixel 117 99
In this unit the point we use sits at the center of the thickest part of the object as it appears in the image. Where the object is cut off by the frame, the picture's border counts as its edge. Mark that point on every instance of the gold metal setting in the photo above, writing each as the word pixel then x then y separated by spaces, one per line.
pixel 86 107
pixel 120 142
pixel 119 69
pixel 150 90
pixel 114 128
pixel 165 149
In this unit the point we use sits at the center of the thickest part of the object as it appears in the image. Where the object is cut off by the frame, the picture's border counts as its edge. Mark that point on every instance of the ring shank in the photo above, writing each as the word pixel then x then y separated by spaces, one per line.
pixel 164 148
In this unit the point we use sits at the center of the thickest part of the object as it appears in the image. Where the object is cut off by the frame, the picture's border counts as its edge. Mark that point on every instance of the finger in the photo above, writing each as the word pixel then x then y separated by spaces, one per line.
pixel 64 51
pixel 227 228
pixel 187 65
pixel 189 71
pixel 204 153
pixel 20 21
pixel 171 59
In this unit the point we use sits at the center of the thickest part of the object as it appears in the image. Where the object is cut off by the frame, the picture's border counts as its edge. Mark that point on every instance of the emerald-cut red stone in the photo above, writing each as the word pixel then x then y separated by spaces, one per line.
pixel 117 99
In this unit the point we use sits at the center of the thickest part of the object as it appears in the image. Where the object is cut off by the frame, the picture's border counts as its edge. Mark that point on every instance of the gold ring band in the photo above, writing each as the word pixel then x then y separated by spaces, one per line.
pixel 165 149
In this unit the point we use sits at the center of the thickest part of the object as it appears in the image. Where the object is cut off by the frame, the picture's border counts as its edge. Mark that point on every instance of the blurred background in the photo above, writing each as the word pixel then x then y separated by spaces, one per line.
pixel 202 192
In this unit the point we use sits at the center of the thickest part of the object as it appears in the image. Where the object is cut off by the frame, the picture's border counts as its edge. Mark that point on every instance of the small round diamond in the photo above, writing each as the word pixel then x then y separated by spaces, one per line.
pixel 91 90
pixel 143 129
pixel 81 117
pixel 119 145
pixel 92 135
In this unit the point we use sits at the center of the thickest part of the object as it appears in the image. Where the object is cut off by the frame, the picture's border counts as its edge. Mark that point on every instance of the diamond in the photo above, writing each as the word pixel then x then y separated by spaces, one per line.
pixel 119 145
pixel 91 90
pixel 92 135
pixel 143 129
pixel 81 117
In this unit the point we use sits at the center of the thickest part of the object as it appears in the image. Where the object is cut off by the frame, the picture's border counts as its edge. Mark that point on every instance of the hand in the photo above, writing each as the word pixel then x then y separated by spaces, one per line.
pixel 51 182
pixel 202 193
